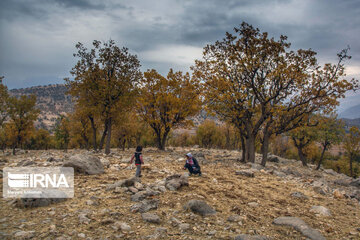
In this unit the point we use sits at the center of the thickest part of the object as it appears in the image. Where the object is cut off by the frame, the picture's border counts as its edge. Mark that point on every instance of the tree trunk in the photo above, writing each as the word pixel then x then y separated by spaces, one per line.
pixel 94 132
pixel 108 139
pixel 243 149
pixel 14 152
pixel 102 140
pixel 321 157
pixel 163 141
pixel 351 166
pixel 301 155
pixel 250 148
pixel 159 141
pixel 265 148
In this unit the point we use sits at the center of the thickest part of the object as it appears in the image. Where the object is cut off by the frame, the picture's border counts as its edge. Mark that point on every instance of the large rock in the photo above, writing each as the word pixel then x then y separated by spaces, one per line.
pixel 25 163
pixel 151 218
pixel 123 183
pixel 250 237
pixel 176 181
pixel 145 206
pixel 299 195
pixel 273 158
pixel 320 210
pixel 122 226
pixel 355 183
pixel 300 226
pixel 199 207
pixel 343 182
pixel 24 235
pixel 37 202
pixel 246 173
pixel 139 196
pixel 87 164
pixel 355 194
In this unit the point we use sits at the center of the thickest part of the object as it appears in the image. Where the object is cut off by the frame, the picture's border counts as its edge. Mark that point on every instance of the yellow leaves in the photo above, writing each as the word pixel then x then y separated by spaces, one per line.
pixel 167 102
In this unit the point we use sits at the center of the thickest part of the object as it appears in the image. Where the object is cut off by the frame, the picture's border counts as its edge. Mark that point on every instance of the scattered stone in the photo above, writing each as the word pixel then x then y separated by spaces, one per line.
pixel 37 202
pixel 81 235
pixel 151 218
pixel 120 189
pixel 279 174
pixel 211 233
pixel 234 218
pixel 52 159
pixel 139 196
pixel 107 221
pixel 273 158
pixel 199 207
pixel 175 222
pixel 301 226
pixel 255 166
pixel 246 173
pixel 355 183
pixel 320 190
pixel 162 189
pixel 86 164
pixel 299 195
pixel 176 181
pixel 338 194
pixel 122 226
pixel 138 186
pixel 105 162
pixel 320 210
pixel 92 202
pixel 290 171
pixel 25 163
pixel 83 218
pixel 330 171
pixel 250 237
pixel 253 204
pixel 184 227
pixel 145 206
pixel 24 235
pixel 355 194
pixel 133 190
pixel 343 182
pixel 123 183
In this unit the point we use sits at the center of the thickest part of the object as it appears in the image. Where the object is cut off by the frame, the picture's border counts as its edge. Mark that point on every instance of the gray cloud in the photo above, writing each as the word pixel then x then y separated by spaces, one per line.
pixel 37 38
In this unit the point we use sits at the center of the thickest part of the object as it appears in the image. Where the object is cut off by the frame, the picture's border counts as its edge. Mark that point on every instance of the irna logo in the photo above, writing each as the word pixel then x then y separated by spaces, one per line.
pixel 30 180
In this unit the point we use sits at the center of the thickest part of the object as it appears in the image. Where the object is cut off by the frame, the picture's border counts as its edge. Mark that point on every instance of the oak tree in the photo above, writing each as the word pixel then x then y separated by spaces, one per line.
pixel 104 77
pixel 167 102
pixel 352 146
pixel 22 114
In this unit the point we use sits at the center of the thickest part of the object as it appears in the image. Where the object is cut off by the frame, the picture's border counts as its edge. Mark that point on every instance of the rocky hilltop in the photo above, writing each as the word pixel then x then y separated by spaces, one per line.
pixel 231 200
pixel 52 101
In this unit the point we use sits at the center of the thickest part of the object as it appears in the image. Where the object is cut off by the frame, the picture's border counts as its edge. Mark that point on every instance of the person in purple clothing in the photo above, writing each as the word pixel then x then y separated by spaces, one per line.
pixel 192 165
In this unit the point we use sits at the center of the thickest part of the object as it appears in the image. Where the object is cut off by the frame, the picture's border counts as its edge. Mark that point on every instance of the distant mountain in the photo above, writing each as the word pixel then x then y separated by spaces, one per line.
pixel 52 101
pixel 351 113
pixel 351 122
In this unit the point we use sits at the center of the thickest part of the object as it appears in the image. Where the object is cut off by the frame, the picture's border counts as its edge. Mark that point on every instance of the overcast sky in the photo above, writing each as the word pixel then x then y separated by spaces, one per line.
pixel 38 37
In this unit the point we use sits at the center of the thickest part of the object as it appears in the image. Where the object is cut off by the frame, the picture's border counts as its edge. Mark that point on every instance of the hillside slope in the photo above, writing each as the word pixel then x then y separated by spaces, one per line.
pixel 244 205
pixel 52 101
pixel 351 113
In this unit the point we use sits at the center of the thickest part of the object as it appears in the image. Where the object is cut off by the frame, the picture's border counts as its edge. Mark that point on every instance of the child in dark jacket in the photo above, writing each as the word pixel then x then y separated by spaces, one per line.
pixel 192 165
pixel 138 161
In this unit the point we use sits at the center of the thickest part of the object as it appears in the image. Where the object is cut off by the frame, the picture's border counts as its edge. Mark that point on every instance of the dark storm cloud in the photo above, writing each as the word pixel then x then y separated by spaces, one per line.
pixel 82 4
pixel 37 38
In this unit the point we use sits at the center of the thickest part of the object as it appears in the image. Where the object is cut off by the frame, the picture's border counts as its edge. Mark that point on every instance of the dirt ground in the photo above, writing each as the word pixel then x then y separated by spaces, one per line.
pixel 269 197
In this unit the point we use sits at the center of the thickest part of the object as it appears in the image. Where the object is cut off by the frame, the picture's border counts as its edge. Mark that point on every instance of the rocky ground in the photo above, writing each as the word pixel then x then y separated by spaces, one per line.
pixel 231 200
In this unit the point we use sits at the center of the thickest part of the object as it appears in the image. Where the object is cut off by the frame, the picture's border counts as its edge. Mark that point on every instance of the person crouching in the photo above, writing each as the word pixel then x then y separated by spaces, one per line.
pixel 192 165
